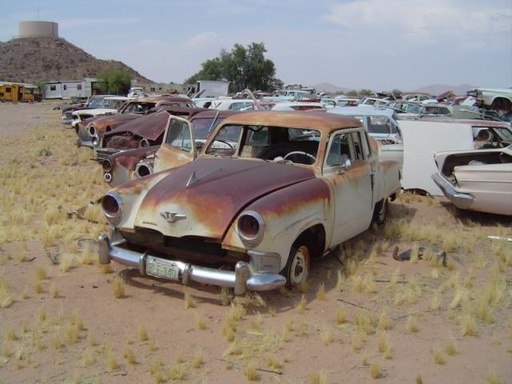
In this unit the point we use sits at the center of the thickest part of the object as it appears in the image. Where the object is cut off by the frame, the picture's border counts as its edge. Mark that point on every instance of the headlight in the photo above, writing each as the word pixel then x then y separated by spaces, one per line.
pixel 112 206
pixel 250 228
pixel 107 165
pixel 95 140
pixel 92 131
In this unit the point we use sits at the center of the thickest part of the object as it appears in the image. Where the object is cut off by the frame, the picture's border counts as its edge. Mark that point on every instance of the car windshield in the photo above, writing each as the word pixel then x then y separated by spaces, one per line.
pixel 264 142
pixel 95 103
pixel 203 126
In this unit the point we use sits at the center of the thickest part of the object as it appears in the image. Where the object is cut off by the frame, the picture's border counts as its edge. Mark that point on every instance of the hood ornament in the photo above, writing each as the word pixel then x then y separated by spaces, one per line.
pixel 172 217
pixel 194 178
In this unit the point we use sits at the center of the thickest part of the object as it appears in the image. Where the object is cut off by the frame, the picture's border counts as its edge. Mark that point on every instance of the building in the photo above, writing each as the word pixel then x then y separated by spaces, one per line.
pixel 66 89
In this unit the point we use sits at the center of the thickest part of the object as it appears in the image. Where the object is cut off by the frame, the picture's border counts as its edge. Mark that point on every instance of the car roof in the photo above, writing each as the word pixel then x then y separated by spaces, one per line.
pixel 323 122
pixel 222 113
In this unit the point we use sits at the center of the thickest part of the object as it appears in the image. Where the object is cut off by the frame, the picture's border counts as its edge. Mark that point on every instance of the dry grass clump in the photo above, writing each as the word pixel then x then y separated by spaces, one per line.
pixel 320 292
pixel 341 316
pixel 88 256
pixel 451 347
pixel 364 322
pixel 200 323
pixel 383 346
pixel 384 321
pixel 6 296
pixel 67 262
pixel 412 324
pixel 302 304
pixel 250 370
pixel 318 378
pixel 230 321
pixel 118 287
pixel 493 378
pixel 189 301
pixel 142 333
pixel 437 356
pixel 375 370
pixel 364 283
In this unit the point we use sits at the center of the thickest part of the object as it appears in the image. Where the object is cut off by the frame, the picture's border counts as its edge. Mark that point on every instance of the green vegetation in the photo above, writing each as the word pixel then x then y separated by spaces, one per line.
pixel 243 67
pixel 116 81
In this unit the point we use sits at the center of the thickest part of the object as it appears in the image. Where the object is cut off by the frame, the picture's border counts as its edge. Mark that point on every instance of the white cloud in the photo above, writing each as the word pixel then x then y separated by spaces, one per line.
pixel 422 20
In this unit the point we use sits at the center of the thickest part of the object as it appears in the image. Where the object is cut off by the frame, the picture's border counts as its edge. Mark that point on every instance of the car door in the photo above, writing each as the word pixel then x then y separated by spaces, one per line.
pixel 177 147
pixel 349 171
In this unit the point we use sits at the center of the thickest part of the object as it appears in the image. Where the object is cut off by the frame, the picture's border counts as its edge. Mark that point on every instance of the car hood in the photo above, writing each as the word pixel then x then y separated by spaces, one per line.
pixel 203 197
pixel 149 126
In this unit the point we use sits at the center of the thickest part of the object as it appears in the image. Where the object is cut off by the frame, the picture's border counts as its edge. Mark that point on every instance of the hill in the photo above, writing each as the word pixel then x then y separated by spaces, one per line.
pixel 38 59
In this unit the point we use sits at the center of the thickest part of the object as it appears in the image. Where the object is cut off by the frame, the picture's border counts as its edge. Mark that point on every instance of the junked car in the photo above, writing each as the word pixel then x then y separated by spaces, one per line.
pixel 382 125
pixel 95 101
pixel 89 130
pixel 476 180
pixel 143 132
pixel 123 166
pixel 284 189
pixel 423 138
pixel 110 106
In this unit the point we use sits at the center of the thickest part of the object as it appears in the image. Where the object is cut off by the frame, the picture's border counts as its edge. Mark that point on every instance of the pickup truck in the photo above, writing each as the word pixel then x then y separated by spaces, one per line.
pixel 269 193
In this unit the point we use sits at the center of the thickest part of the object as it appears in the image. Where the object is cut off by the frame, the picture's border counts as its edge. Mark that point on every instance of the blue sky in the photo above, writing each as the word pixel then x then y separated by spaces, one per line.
pixel 373 44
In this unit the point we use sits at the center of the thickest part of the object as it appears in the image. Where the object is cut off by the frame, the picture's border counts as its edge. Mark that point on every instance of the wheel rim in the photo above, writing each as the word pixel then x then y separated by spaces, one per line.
pixel 299 269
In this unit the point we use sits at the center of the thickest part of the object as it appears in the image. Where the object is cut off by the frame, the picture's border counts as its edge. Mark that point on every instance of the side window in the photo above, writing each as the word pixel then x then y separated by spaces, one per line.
pixel 339 150
pixel 379 124
pixel 225 142
pixel 178 135
pixel 347 145
pixel 258 138
pixel 355 144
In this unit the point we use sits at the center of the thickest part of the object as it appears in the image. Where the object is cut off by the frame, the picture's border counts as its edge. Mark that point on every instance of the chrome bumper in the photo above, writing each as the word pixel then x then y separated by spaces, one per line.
pixel 460 200
pixel 241 279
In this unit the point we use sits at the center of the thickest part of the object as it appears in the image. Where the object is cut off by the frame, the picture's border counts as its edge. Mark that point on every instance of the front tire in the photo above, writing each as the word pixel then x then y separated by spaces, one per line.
pixel 297 267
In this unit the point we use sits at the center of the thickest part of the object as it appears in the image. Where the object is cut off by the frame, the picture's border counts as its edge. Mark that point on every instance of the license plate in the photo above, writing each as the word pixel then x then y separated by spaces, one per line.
pixel 162 268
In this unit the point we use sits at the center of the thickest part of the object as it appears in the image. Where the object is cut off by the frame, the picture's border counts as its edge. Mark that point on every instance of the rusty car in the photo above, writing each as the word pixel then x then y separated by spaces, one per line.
pixel 283 189
pixel 126 165
pixel 88 130
pixel 476 180
pixel 140 133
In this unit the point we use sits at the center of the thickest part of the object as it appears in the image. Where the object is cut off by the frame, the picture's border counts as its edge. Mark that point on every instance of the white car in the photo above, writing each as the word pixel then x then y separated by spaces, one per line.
pixel 476 180
pixel 382 125
pixel 297 106
pixel 109 106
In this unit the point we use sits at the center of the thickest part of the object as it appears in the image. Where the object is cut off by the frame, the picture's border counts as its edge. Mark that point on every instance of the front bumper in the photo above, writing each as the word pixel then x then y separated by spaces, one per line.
pixel 460 200
pixel 241 279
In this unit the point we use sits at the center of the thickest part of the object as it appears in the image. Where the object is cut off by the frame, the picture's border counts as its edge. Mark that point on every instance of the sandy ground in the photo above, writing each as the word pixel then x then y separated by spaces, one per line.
pixel 365 317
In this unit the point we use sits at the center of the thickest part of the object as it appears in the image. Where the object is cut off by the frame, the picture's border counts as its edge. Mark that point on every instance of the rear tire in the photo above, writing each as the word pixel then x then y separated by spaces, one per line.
pixel 297 266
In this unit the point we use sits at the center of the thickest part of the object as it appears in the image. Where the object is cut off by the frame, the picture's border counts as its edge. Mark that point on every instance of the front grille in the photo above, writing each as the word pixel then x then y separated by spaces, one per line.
pixel 188 249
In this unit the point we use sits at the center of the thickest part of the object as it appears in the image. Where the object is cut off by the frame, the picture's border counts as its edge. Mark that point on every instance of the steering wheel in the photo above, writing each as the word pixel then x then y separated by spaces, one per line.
pixel 225 142
pixel 309 157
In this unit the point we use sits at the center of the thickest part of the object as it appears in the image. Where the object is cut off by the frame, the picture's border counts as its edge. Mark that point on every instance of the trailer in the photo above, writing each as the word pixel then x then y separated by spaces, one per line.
pixel 19 92
pixel 67 89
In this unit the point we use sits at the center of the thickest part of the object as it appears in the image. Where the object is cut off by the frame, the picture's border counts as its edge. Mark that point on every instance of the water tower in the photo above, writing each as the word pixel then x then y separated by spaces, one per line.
pixel 38 29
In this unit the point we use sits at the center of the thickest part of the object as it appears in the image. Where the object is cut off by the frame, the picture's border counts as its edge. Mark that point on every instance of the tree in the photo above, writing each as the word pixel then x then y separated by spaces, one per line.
pixel 116 80
pixel 366 92
pixel 243 67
